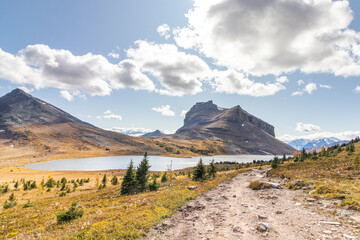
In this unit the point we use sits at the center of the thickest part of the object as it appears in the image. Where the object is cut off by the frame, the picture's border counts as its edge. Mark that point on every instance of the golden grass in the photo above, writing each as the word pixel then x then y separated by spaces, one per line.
pixel 108 215
pixel 335 177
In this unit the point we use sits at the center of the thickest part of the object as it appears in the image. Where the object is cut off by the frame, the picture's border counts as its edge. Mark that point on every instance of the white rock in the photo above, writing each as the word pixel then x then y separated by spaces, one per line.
pixel 348 236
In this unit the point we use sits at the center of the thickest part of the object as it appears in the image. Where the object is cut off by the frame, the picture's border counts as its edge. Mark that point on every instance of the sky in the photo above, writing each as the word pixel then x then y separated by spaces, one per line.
pixel 141 65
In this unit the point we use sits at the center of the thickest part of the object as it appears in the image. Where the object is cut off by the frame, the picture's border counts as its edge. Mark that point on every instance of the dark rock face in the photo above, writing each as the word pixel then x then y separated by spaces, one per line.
pixel 18 108
pixel 241 132
pixel 156 133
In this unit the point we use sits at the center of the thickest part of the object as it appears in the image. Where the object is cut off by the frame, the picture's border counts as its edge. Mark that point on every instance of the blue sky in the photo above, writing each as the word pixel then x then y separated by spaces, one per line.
pixel 239 63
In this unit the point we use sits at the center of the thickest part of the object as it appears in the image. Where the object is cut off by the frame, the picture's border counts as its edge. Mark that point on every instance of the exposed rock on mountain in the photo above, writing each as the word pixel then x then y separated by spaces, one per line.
pixel 240 131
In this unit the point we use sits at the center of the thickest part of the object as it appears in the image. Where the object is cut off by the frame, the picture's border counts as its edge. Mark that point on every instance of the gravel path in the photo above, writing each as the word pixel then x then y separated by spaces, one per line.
pixel 233 211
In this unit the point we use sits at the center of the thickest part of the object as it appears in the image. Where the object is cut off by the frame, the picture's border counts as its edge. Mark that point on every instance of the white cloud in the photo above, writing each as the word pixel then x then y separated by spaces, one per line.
pixel 164 31
pixel 25 89
pixel 98 117
pixel 307 127
pixel 357 89
pixel 306 35
pixel 67 95
pixel 326 86
pixel 300 82
pixel 309 88
pixel 231 81
pixel 108 114
pixel 282 79
pixel 114 55
pixel 347 135
pixel 297 93
pixel 40 66
pixel 164 110
pixel 179 73
pixel 183 113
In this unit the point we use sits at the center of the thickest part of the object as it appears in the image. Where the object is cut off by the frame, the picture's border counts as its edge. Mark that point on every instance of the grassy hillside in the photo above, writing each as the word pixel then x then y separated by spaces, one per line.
pixel 334 174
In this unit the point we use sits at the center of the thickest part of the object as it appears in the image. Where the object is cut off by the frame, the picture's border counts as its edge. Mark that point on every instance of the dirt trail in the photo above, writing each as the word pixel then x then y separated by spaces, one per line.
pixel 233 211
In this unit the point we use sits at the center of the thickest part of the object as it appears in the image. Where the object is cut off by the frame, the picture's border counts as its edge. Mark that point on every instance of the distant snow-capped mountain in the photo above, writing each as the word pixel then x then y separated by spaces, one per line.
pixel 135 132
pixel 317 143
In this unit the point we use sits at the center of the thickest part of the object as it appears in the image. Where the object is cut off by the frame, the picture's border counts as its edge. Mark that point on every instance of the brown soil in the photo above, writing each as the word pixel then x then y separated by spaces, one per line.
pixel 233 211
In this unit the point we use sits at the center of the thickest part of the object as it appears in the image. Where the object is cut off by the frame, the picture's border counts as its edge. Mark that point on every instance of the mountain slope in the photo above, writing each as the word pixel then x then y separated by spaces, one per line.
pixel 29 122
pixel 240 132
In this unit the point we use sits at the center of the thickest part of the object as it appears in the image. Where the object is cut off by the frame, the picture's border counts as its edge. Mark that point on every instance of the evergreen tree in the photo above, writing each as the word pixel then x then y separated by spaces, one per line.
pixel 142 175
pixel 129 184
pixel 164 177
pixel 154 186
pixel 104 181
pixel 275 163
pixel 199 172
pixel 284 158
pixel 114 180
pixel 212 169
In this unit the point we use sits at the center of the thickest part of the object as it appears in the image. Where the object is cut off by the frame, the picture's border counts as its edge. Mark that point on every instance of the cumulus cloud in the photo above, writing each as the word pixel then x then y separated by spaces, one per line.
pixel 164 110
pixel 164 31
pixel 40 66
pixel 232 81
pixel 310 36
pixel 357 89
pixel 307 127
pixel 178 72
pixel 183 113
pixel 300 82
pixel 347 135
pixel 108 114
pixel 310 88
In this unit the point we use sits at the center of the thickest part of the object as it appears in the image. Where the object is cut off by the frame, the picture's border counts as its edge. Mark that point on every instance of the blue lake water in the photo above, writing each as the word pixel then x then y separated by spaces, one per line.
pixel 157 163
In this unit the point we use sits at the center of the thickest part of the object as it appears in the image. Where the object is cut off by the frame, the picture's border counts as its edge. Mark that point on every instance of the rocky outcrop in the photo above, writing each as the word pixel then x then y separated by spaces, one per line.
pixel 241 132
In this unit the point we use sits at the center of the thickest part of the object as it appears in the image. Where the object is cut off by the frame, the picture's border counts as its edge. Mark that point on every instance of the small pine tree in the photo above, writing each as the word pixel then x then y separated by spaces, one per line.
pixel 16 185
pixel 275 162
pixel 104 181
pixel 114 180
pixel 199 172
pixel 164 177
pixel 129 184
pixel 154 186
pixel 142 173
pixel 212 169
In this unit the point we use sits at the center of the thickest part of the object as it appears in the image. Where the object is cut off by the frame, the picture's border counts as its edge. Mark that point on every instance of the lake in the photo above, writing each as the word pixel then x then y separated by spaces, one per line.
pixel 158 163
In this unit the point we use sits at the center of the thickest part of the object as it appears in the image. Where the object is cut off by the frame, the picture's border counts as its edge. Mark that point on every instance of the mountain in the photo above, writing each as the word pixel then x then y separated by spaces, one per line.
pixel 239 131
pixel 316 143
pixel 38 127
pixel 156 133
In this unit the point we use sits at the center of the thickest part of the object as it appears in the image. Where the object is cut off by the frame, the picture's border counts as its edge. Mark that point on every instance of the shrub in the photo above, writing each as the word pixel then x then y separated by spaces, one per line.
pixel 73 213
pixel 356 159
pixel 275 163
pixel 257 185
pixel 11 203
pixel 28 204
pixel 62 194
